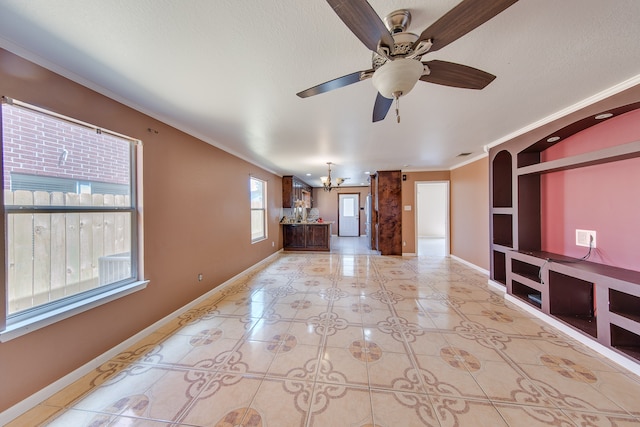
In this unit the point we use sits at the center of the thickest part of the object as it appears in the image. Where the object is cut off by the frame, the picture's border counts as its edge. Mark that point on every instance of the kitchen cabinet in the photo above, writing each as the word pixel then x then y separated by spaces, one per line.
pixel 307 237
pixel 293 188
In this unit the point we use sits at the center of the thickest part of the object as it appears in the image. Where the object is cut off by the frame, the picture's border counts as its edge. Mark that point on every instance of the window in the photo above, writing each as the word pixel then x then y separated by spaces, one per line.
pixel 69 213
pixel 258 209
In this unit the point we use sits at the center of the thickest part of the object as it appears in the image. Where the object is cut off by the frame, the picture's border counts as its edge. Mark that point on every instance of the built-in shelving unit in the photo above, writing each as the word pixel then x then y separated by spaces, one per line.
pixel 600 302
pixel 501 214
pixel 572 301
pixel 625 305
pixel 525 281
pixel 606 155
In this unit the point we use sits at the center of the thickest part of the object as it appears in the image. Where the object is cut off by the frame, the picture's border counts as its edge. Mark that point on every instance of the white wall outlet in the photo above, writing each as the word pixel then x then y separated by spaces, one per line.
pixel 586 238
pixel 200 277
pixel 407 207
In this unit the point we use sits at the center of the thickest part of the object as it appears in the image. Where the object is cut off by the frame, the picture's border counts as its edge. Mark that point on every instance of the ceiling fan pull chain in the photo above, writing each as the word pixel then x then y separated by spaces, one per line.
pixel 397 109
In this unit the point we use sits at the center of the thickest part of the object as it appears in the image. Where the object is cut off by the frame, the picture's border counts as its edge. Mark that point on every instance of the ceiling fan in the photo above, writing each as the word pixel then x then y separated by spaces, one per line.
pixel 397 54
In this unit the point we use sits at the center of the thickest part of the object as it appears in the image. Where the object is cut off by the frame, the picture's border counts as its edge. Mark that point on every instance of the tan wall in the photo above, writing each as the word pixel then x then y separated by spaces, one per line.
pixel 196 220
pixel 470 213
pixel 327 203
pixel 409 199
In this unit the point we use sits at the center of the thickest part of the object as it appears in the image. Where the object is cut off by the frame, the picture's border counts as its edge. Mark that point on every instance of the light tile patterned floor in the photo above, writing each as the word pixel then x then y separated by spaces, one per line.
pixel 341 339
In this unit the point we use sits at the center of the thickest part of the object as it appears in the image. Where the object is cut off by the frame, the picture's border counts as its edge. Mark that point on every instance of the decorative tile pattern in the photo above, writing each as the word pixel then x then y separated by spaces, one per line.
pixel 568 368
pixel 459 358
pixel 365 351
pixel 355 340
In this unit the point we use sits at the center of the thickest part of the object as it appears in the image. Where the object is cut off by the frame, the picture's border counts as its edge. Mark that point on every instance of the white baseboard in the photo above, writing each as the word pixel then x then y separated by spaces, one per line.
pixel 497 285
pixel 43 394
pixel 409 254
pixel 468 264
pixel 589 342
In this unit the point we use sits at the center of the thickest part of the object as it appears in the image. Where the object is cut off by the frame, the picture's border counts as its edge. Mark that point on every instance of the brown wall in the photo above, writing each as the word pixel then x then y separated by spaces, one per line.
pixel 468 210
pixel 327 203
pixel 196 220
pixel 470 213
pixel 409 199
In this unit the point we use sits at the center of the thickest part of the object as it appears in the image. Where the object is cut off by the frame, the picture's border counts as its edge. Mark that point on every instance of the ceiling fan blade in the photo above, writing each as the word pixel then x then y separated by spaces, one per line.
pixel 466 16
pixel 456 75
pixel 336 83
pixel 381 108
pixel 364 22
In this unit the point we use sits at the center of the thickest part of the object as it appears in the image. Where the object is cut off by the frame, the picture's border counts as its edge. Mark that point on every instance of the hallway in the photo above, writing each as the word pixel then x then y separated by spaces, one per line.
pixel 348 339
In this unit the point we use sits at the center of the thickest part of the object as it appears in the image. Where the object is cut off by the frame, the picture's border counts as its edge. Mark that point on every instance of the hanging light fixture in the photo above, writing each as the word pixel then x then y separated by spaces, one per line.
pixel 326 180
pixel 396 78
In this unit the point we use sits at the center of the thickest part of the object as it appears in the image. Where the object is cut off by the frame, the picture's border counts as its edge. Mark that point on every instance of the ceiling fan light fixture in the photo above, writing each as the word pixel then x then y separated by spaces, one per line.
pixel 397 77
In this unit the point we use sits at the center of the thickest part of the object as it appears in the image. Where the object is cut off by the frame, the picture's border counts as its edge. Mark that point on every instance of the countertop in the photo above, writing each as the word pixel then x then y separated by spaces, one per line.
pixel 308 223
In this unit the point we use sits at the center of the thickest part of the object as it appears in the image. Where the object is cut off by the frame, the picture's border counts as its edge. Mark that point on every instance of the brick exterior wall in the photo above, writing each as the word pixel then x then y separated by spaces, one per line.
pixel 34 144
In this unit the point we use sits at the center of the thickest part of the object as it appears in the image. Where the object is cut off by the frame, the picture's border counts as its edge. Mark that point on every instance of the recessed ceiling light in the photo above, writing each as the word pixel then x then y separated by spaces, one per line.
pixel 367 173
pixel 404 166
pixel 603 116
pixel 308 174
pixel 553 139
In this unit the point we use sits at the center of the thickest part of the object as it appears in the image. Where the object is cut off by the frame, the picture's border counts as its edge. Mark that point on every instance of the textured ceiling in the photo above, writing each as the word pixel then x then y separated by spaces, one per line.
pixel 227 71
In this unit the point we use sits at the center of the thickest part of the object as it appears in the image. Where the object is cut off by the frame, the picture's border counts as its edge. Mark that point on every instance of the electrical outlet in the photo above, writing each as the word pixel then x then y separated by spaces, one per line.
pixel 200 277
pixel 586 238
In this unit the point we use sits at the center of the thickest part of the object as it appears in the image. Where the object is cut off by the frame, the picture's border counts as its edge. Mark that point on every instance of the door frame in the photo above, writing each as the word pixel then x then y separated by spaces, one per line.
pixel 447 220
pixel 357 194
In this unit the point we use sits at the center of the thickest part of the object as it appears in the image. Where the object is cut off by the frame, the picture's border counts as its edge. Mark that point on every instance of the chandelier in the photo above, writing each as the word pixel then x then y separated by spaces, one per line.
pixel 326 180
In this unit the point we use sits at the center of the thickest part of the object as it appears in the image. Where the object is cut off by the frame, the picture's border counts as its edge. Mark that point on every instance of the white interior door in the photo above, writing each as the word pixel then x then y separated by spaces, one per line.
pixel 349 215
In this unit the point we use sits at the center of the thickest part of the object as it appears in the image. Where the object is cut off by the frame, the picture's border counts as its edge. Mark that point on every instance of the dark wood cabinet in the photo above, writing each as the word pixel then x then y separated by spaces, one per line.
pixel 294 236
pixel 307 237
pixel 317 237
pixel 293 188
pixel 386 212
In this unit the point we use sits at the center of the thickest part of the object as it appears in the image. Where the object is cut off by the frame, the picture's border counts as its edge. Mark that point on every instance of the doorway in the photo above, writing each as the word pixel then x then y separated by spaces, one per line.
pixel 432 218
pixel 349 215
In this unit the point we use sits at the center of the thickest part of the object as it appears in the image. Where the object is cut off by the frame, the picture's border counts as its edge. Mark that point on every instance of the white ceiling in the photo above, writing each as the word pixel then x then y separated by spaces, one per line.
pixel 227 71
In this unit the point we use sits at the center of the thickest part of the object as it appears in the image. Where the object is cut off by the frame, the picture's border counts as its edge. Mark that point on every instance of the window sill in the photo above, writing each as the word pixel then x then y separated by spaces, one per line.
pixel 18 329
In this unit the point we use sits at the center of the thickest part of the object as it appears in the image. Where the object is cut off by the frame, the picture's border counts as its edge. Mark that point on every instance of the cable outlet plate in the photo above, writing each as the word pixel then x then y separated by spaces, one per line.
pixel 586 238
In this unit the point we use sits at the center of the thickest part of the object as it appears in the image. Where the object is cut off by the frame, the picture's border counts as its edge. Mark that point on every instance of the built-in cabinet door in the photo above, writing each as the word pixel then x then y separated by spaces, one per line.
pixel 294 236
pixel 389 213
pixel 317 236
pixel 294 189
pixel 373 243
pixel 287 191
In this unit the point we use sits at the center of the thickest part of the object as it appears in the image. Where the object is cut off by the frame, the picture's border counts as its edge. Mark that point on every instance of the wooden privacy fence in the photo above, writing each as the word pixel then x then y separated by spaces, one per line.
pixel 54 255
